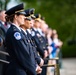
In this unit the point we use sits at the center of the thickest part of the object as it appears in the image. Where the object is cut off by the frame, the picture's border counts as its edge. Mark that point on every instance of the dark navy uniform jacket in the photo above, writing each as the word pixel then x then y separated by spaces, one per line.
pixel 4 29
pixel 20 59
pixel 30 48
pixel 40 43
pixel 37 57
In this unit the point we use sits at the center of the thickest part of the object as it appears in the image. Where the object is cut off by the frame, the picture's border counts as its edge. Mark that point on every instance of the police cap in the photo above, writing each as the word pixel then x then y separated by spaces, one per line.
pixel 38 17
pixel 16 9
pixel 28 18
pixel 30 12
pixel 27 11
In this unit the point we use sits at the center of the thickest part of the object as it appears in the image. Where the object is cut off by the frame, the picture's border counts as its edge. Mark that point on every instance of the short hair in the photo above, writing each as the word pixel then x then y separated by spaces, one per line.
pixel 11 18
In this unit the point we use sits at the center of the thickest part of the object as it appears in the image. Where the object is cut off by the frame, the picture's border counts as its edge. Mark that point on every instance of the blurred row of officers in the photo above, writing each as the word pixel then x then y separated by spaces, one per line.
pixel 28 40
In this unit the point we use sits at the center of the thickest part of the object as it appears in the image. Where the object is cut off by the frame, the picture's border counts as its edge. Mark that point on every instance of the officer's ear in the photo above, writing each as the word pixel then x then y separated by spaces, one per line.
pixel 15 16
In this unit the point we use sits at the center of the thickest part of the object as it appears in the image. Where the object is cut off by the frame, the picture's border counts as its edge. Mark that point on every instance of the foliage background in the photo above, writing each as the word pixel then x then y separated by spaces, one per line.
pixel 59 15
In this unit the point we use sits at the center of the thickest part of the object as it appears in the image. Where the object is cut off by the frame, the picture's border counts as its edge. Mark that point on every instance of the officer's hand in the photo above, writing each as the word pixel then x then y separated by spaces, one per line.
pixel 49 49
pixel 42 62
pixel 38 70
pixel 45 53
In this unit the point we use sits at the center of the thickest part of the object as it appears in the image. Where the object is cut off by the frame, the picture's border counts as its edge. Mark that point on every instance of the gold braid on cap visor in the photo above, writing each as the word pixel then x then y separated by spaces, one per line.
pixel 32 15
pixel 38 19
pixel 19 11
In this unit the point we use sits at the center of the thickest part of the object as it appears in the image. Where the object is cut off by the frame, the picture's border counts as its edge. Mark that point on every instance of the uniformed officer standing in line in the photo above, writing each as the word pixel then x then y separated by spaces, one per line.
pixel 32 51
pixel 17 47
pixel 27 26
pixel 43 31
pixel 3 30
pixel 29 20
pixel 38 39
pixel 33 19
pixel 3 26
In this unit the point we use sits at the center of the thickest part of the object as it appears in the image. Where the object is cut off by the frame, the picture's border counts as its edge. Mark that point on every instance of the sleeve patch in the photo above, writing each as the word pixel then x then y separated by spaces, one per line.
pixel 17 35
pixel 33 33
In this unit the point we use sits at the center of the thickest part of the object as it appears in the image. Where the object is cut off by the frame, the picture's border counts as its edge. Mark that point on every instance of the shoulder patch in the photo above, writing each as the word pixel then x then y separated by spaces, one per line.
pixel 33 33
pixel 17 35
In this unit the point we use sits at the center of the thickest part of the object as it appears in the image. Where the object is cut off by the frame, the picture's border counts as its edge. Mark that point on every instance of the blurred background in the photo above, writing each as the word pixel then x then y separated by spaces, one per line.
pixel 59 15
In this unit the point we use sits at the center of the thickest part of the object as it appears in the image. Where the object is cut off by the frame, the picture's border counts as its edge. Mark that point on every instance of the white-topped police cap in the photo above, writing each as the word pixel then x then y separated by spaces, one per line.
pixel 17 35
pixel 16 9
pixel 38 17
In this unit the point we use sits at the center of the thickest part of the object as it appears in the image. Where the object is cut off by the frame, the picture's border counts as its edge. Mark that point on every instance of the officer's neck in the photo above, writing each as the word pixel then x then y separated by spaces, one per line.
pixel 23 27
pixel 16 23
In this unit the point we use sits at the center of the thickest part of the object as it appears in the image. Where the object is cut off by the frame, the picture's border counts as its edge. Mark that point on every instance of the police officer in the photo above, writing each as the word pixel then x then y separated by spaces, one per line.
pixel 29 25
pixel 38 39
pixel 29 41
pixel 3 30
pixel 32 10
pixel 31 44
pixel 3 26
pixel 17 47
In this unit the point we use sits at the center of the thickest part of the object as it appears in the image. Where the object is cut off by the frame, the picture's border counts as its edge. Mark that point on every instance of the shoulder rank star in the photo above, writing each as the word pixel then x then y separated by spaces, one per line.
pixel 17 35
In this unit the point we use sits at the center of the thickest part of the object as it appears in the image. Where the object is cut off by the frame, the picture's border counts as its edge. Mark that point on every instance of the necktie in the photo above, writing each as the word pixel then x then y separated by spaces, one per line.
pixel 5 24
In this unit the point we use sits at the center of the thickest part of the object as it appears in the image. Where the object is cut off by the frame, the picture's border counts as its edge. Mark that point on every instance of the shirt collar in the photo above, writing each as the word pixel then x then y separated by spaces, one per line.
pixel 2 22
pixel 35 29
pixel 17 26
pixel 24 31
pixel 29 31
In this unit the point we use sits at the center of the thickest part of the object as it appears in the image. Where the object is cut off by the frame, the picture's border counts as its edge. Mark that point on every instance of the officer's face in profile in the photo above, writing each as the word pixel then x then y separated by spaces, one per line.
pixel 28 24
pixel 20 19
pixel 2 16
pixel 32 22
pixel 37 24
